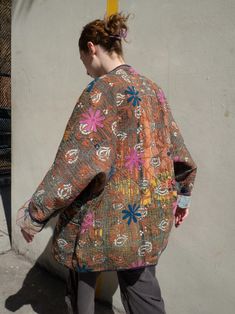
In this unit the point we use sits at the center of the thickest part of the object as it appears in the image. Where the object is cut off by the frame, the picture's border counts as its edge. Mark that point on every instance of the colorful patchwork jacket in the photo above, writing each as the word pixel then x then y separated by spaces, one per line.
pixel 116 176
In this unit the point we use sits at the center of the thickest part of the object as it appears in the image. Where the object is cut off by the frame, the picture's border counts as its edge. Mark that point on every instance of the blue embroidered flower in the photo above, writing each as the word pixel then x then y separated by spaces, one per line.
pixel 91 84
pixel 131 213
pixel 134 95
pixel 83 269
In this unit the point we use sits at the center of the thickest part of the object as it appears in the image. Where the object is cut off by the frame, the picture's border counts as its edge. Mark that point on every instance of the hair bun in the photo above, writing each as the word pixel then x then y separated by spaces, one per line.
pixel 115 25
pixel 107 33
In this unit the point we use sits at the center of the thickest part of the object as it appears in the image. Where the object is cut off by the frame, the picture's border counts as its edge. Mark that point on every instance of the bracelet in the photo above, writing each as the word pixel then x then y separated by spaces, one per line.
pixel 183 201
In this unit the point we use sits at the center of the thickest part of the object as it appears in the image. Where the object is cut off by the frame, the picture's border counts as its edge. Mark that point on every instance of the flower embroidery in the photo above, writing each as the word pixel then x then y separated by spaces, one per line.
pixel 163 224
pixel 62 243
pixel 119 99
pixel 71 156
pixel 96 98
pixel 133 159
pixel 138 264
pixel 91 85
pixel 145 248
pixel 133 71
pixel 124 75
pixel 92 120
pixel 134 95
pixel 103 153
pixel 87 222
pixel 176 158
pixel 64 191
pixel 161 97
pixel 131 213
pixel 120 240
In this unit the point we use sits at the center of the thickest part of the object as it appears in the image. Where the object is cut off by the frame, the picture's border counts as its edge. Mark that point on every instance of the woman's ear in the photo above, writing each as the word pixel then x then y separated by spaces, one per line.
pixel 91 47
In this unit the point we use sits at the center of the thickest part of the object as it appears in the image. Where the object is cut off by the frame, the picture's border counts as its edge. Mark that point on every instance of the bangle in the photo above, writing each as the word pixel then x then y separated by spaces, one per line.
pixel 183 201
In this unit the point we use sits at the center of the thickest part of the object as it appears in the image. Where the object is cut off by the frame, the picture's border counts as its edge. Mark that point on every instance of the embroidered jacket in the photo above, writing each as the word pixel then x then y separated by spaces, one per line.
pixel 115 179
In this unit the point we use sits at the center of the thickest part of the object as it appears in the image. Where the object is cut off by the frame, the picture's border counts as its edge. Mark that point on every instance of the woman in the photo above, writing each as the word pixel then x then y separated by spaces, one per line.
pixel 120 178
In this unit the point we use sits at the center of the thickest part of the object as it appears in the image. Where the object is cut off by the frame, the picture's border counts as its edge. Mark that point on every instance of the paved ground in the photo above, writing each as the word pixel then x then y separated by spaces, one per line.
pixel 27 288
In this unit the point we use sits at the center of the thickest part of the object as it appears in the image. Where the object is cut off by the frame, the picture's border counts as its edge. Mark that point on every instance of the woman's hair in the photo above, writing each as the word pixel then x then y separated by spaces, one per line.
pixel 107 33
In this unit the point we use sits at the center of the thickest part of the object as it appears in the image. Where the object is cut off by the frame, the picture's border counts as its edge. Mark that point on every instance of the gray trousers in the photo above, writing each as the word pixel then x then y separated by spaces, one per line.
pixel 140 292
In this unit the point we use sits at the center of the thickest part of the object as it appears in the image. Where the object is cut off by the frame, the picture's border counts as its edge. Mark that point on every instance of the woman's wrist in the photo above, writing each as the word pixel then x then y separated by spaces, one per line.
pixel 183 201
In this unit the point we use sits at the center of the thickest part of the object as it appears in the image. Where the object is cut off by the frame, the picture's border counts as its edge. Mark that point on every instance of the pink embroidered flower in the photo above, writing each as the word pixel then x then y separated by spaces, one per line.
pixel 161 97
pixel 138 264
pixel 133 71
pixel 176 158
pixel 92 120
pixel 87 222
pixel 133 159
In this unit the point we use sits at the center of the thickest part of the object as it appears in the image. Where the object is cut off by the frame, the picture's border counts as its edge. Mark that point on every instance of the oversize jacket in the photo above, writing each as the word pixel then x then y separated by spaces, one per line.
pixel 116 176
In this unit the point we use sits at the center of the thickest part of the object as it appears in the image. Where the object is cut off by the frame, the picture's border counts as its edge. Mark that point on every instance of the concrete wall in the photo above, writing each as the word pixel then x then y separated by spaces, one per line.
pixel 188 48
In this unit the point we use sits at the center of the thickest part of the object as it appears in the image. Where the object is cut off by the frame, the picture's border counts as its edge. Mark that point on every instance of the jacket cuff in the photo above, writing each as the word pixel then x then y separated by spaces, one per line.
pixel 183 201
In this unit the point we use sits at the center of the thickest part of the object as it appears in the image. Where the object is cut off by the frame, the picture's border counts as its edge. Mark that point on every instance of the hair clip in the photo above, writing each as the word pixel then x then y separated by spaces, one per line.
pixel 122 34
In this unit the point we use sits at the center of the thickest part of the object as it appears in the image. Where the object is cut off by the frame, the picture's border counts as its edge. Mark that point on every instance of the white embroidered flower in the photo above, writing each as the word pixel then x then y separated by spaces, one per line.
pixel 83 129
pixel 103 153
pixel 119 99
pixel 96 97
pixel 98 260
pixel 145 248
pixel 120 240
pixel 118 206
pixel 139 129
pixel 139 147
pixel 65 191
pixel 138 112
pixel 158 190
pixel 163 224
pixel 114 127
pixel 62 243
pixel 98 223
pixel 155 162
pixel 124 75
pixel 144 212
pixel 144 183
pixel 122 136
pixel 71 156
pixel 39 193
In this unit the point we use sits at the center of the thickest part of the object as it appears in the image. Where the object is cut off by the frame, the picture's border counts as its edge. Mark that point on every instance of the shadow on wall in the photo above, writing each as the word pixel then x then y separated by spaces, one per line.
pixel 5 192
pixel 46 293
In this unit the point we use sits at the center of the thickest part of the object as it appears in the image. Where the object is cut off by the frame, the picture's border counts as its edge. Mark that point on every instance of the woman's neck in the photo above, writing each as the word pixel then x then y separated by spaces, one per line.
pixel 109 63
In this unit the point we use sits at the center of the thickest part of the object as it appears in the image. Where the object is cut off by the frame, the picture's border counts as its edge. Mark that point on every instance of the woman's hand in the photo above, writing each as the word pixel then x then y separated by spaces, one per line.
pixel 180 215
pixel 28 237
pixel 28 227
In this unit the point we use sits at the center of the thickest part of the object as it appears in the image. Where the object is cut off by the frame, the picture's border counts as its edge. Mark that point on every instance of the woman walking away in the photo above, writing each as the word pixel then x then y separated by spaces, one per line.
pixel 121 178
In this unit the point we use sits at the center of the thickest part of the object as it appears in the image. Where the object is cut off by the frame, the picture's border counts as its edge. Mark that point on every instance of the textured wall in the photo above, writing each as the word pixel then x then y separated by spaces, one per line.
pixel 188 48
pixel 5 125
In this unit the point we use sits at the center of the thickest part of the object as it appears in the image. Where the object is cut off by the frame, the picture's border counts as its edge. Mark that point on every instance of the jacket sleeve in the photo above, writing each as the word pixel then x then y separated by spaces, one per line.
pixel 184 166
pixel 86 149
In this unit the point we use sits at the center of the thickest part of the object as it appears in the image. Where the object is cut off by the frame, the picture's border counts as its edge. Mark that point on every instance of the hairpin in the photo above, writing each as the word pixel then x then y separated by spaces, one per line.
pixel 122 34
